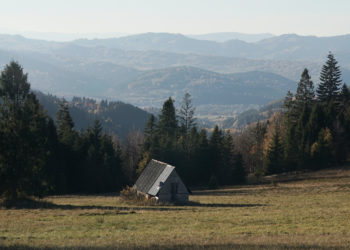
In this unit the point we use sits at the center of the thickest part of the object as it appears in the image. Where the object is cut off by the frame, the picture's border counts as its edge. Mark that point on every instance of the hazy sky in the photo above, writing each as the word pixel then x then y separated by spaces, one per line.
pixel 306 17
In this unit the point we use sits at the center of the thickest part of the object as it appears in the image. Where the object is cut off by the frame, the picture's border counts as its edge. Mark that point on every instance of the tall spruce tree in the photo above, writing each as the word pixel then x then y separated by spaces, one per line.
pixel 186 115
pixel 305 92
pixel 330 80
pixel 23 152
pixel 167 125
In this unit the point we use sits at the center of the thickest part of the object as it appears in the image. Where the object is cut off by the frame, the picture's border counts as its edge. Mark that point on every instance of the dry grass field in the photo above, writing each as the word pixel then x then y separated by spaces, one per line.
pixel 310 212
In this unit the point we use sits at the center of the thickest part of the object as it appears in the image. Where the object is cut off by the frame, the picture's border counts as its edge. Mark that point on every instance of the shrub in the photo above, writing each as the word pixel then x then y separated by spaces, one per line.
pixel 130 195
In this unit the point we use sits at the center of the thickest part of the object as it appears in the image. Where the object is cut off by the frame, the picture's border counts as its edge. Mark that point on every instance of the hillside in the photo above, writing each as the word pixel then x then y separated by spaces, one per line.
pixel 117 118
pixel 252 115
pixel 206 87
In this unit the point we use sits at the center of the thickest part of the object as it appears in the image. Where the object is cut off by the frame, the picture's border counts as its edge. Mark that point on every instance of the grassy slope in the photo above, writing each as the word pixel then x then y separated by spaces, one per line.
pixel 312 212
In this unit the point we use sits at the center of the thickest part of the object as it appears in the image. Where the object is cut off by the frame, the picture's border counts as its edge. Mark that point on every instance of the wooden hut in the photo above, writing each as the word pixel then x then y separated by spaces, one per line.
pixel 161 180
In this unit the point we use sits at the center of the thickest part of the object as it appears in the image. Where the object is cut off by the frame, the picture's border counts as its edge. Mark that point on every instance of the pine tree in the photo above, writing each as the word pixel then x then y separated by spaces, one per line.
pixel 330 80
pixel 274 156
pixel 23 152
pixel 167 120
pixel 289 109
pixel 215 147
pixel 150 126
pixel 226 172
pixel 290 146
pixel 150 133
pixel 65 124
pixel 344 97
pixel 202 156
pixel 186 115
pixel 305 92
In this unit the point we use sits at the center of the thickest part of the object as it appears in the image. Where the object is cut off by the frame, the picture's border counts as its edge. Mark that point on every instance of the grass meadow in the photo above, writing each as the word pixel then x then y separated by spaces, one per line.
pixel 305 211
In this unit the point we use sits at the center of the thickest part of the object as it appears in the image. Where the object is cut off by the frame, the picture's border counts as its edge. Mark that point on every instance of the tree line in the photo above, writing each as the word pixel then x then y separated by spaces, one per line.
pixel 311 132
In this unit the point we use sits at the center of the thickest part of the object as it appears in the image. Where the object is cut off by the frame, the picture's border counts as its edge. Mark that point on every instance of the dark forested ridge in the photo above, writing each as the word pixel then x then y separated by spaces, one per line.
pixel 116 117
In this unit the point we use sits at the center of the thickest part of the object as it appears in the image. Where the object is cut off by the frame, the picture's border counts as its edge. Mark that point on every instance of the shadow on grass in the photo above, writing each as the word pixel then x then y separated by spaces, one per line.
pixel 211 247
pixel 218 205
pixel 41 204
pixel 223 192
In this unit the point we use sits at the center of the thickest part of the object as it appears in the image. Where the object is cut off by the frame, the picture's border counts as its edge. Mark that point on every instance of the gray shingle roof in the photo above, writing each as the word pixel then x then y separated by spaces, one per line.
pixel 154 173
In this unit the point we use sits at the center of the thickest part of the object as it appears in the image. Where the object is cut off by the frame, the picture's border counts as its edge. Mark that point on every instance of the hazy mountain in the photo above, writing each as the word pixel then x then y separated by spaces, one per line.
pixel 105 80
pixel 152 87
pixel 225 36
pixel 64 54
pixel 104 69
pixel 284 47
pixel 65 37
pixel 290 46
pixel 148 60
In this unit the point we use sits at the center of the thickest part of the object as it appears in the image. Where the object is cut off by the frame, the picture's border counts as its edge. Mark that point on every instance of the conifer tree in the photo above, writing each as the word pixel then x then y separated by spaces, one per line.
pixel 274 156
pixel 186 114
pixel 202 156
pixel 291 145
pixel 344 97
pixel 167 125
pixel 65 124
pixel 23 152
pixel 289 109
pixel 215 147
pixel 305 92
pixel 330 80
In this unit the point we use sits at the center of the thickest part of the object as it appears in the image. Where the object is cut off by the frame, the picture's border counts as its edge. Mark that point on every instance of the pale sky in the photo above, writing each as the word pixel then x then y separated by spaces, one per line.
pixel 304 17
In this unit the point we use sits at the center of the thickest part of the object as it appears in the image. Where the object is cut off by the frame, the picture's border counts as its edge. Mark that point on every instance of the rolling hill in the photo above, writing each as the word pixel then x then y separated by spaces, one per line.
pixel 117 118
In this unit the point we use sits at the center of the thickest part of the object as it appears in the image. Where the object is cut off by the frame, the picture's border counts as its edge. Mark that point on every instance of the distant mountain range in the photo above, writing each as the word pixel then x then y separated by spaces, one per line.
pixel 146 69
pixel 226 36
pixel 284 47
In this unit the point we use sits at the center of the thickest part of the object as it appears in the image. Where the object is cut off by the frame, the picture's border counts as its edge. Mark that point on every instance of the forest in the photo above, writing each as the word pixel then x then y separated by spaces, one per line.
pixel 41 155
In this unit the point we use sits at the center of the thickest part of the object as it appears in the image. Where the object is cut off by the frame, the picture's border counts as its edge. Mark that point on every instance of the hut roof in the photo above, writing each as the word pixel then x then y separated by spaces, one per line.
pixel 151 177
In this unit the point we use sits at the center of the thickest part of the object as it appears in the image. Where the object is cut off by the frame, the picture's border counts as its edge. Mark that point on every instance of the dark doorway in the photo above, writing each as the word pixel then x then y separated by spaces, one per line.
pixel 174 187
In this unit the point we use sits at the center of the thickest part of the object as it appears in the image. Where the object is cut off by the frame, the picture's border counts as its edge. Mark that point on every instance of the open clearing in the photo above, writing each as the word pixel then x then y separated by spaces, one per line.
pixel 312 212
